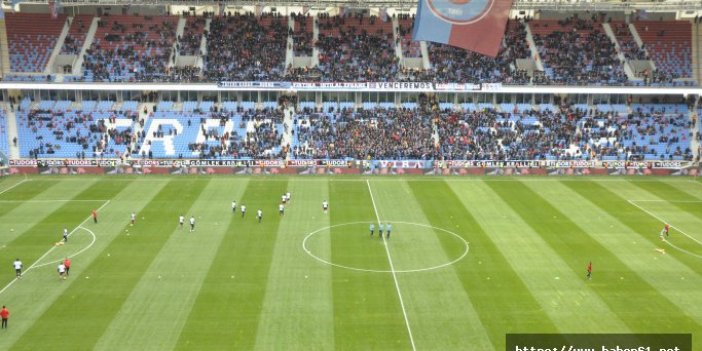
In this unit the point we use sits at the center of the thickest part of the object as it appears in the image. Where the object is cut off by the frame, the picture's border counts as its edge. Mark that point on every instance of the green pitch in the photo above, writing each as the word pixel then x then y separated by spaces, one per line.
pixel 469 260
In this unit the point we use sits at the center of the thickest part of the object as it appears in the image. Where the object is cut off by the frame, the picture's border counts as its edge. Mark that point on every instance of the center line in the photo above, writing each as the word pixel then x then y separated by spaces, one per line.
pixel 392 270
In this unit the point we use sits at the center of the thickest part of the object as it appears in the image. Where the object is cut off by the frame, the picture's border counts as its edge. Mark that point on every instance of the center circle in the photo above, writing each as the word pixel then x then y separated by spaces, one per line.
pixel 306 246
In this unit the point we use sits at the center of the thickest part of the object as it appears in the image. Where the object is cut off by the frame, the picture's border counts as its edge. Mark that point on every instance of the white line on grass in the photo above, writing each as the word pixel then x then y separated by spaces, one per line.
pixel 14 186
pixel 671 201
pixel 34 265
pixel 392 270
pixel 664 221
pixel 78 252
pixel 55 200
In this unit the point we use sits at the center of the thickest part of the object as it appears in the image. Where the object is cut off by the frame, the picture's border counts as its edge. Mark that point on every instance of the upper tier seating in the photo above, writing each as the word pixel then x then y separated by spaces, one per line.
pixel 577 51
pixel 130 48
pixel 356 48
pixel 76 34
pixel 31 38
pixel 302 35
pixel 243 47
pixel 669 43
pixel 189 43
pixel 452 64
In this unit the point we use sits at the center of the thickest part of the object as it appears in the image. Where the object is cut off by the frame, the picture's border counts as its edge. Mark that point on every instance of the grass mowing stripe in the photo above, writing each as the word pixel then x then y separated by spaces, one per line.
pixel 633 217
pixel 40 289
pixel 561 292
pixel 175 276
pixel 112 278
pixel 676 197
pixel 577 248
pixel 232 293
pixel 439 309
pixel 297 307
pixel 36 240
pixel 17 216
pixel 392 267
pixel 367 313
pixel 676 282
pixel 494 288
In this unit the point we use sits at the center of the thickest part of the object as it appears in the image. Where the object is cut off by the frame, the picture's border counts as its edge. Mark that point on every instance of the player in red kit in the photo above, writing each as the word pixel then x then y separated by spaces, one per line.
pixel 94 214
pixel 665 230
pixel 589 270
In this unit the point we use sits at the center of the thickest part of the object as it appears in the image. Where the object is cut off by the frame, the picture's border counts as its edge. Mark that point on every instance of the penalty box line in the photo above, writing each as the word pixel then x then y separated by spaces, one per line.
pixel 633 202
pixel 392 270
pixel 51 249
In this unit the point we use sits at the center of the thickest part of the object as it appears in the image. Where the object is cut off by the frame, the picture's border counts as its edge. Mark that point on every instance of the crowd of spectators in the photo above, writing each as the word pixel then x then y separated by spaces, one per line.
pixel 258 135
pixel 410 48
pixel 627 44
pixel 139 50
pixel 301 34
pixel 73 43
pixel 452 64
pixel 578 51
pixel 244 47
pixel 356 48
pixel 379 133
pixel 189 43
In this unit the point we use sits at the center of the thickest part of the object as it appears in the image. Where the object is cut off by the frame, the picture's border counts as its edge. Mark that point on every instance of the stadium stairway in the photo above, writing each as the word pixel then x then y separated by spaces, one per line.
pixel 697 52
pixel 180 29
pixel 315 38
pixel 287 139
pixel 425 54
pixel 11 119
pixel 398 44
pixel 620 54
pixel 89 38
pixel 532 47
pixel 290 52
pixel 4 48
pixel 57 48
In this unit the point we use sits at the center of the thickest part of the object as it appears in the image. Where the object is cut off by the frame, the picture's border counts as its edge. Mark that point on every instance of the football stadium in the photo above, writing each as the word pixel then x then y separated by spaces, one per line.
pixel 416 175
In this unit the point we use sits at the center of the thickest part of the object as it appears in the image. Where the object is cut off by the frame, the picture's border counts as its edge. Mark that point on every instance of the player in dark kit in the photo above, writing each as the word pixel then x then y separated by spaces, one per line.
pixel 589 270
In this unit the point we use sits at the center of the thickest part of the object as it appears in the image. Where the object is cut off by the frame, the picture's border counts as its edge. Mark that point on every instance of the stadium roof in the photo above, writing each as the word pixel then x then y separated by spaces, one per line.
pixel 559 5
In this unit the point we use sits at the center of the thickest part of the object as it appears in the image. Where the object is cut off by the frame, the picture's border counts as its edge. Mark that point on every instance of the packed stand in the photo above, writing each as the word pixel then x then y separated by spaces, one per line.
pixel 456 65
pixel 378 133
pixel 244 47
pixel 356 48
pixel 302 34
pixel 189 43
pixel 577 51
pixel 31 39
pixel 130 48
pixel 410 48
pixel 492 135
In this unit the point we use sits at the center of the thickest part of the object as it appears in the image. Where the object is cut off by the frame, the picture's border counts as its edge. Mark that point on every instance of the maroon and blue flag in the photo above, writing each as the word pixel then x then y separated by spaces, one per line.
pixel 475 25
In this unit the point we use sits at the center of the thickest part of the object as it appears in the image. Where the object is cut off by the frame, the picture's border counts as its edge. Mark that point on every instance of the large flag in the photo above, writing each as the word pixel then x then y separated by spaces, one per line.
pixel 475 25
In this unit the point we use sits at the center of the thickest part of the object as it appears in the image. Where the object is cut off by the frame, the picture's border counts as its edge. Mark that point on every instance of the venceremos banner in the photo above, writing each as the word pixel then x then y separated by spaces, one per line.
pixel 475 25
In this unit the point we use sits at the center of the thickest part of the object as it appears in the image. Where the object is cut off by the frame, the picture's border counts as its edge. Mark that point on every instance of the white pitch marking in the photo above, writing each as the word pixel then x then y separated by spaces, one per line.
pixel 664 221
pixel 54 200
pixel 392 269
pixel 14 186
pixel 672 201
pixel 34 265
pixel 79 251
pixel 416 270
